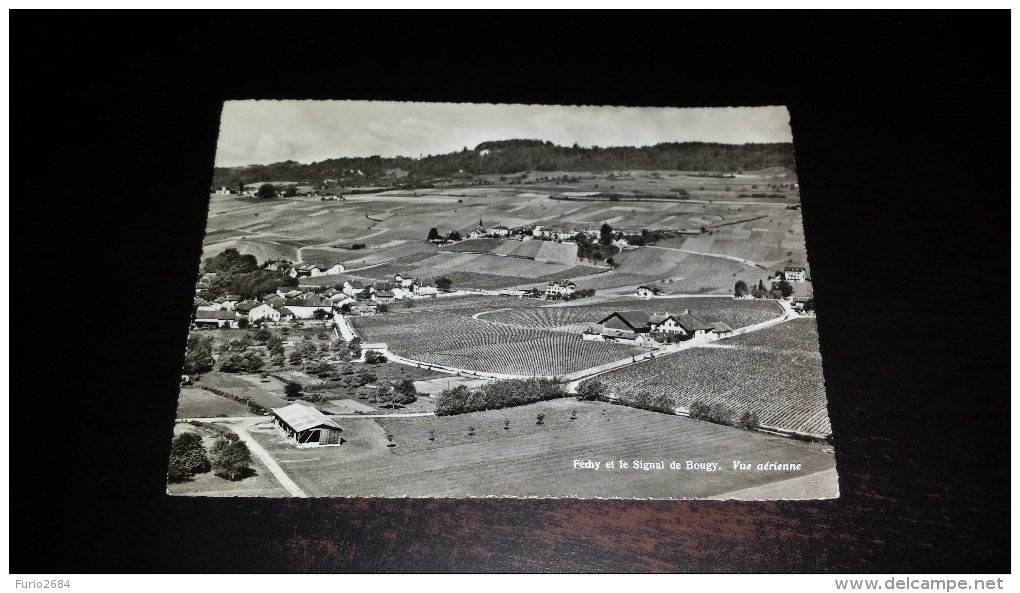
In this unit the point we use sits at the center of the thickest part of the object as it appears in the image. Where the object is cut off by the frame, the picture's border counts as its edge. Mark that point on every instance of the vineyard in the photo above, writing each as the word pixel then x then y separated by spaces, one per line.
pixel 735 313
pixel 451 339
pixel 775 372
pixel 477 246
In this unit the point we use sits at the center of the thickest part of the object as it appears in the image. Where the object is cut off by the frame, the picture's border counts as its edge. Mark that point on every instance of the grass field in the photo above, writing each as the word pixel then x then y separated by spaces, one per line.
pixel 533 460
pixel 261 483
pixel 199 403
pixel 775 372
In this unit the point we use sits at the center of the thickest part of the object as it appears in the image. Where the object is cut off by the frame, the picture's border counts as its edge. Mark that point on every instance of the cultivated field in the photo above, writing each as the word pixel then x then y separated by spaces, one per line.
pixel 532 460
pixel 393 225
pixel 458 341
pixel 735 313
pixel 775 372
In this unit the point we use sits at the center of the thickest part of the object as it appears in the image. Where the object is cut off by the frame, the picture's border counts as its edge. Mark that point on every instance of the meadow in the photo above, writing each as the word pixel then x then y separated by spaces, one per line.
pixel 531 459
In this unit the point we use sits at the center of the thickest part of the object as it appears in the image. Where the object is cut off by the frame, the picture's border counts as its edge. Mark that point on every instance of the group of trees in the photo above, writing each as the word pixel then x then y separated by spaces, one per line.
pixel 596 251
pixel 241 275
pixel 434 235
pixel 759 291
pixel 496 395
pixel 198 357
pixel 228 458
pixel 718 413
pixel 594 390
pixel 505 157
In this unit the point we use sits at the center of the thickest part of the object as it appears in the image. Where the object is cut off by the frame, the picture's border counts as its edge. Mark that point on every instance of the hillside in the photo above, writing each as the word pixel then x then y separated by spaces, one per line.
pixel 515 156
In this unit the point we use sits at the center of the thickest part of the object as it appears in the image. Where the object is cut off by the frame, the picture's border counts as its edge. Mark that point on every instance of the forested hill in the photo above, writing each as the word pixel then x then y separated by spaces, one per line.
pixel 515 156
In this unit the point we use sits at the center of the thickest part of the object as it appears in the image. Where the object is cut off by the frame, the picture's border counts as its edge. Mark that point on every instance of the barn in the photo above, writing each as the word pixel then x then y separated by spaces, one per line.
pixel 307 426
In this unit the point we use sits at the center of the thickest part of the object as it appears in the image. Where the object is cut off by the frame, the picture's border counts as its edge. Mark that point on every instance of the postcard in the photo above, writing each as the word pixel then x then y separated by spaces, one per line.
pixel 480 300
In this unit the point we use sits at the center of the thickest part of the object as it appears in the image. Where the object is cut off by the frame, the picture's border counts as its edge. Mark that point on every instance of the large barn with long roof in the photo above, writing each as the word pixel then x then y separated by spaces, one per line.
pixel 307 426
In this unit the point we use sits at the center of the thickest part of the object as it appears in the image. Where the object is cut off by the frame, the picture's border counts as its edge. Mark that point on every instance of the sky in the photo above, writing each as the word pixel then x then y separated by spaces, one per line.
pixel 263 132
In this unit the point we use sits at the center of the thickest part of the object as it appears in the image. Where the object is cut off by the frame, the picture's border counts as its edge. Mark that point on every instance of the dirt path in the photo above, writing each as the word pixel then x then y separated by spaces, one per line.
pixel 746 262
pixel 264 456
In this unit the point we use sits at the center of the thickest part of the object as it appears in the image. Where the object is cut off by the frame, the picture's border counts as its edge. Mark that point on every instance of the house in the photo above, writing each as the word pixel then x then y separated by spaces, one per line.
pixel 305 270
pixel 215 319
pixel 795 273
pixel 353 287
pixel 692 326
pixel 560 289
pixel 307 308
pixel 402 282
pixel 273 300
pixel 286 314
pixel 624 337
pixel 363 308
pixel 384 296
pixel 424 287
pixel 627 321
pixel 592 332
pixel 645 291
pixel 262 312
pixel 500 231
pixel 477 233
pixel 289 292
pixel 334 269
pixel 307 426
pixel 245 307
pixel 720 329
pixel 200 302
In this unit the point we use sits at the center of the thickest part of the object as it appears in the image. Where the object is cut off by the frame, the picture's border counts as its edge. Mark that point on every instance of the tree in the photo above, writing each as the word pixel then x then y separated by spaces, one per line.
pixel 231 458
pixel 405 392
pixel 740 289
pixel 606 234
pixel 249 362
pixel 187 457
pixel 433 234
pixel 591 390
pixel 383 308
pixel 374 357
pixel 444 283
pixel 198 358
pixel 454 236
pixel 267 190
pixel 786 288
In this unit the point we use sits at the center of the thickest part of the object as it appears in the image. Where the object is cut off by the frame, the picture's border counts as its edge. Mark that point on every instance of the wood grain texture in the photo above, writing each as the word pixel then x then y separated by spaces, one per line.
pixel 903 165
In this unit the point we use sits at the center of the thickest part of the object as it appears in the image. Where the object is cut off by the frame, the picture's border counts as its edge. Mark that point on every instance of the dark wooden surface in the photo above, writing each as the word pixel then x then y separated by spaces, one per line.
pixel 900 122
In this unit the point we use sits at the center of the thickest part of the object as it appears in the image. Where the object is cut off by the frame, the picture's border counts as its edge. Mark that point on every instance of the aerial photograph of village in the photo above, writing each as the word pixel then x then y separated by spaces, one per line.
pixel 478 300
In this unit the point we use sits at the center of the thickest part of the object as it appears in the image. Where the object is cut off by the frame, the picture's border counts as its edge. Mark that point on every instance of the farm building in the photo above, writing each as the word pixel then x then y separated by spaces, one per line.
pixel 215 319
pixel 683 326
pixel 307 426
pixel 624 337
pixel 720 329
pixel 645 291
pixel 628 321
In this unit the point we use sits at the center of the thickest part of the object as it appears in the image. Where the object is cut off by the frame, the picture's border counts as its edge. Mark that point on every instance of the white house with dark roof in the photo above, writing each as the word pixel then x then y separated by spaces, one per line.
pixel 263 312
pixel 425 287
pixel 560 288
pixel 500 231
pixel 795 273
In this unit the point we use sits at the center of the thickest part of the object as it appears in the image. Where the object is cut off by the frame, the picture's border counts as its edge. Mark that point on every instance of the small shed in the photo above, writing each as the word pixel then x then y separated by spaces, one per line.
pixel 307 426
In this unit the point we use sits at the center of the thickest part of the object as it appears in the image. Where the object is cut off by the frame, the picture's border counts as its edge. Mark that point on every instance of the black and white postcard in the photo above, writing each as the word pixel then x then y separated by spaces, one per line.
pixel 477 300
